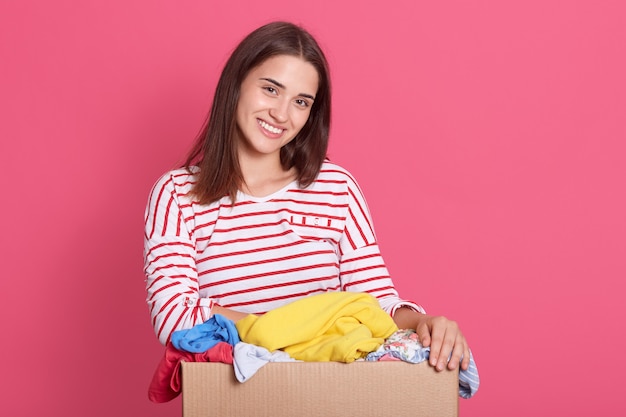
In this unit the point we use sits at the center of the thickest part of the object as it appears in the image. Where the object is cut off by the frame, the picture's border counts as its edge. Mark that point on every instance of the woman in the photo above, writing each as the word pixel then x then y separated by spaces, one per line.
pixel 258 217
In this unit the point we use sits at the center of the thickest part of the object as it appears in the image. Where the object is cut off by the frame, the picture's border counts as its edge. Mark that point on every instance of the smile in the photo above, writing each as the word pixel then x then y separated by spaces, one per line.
pixel 270 128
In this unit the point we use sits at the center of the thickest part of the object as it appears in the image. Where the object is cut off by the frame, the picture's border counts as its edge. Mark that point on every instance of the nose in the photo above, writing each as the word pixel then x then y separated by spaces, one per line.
pixel 280 110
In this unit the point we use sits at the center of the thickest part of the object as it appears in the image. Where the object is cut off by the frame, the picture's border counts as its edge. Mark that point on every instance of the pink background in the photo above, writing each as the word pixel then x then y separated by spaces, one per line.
pixel 487 135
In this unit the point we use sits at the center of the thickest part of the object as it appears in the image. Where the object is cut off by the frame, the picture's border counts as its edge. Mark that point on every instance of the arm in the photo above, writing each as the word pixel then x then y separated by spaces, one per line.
pixel 228 313
pixel 363 270
pixel 170 258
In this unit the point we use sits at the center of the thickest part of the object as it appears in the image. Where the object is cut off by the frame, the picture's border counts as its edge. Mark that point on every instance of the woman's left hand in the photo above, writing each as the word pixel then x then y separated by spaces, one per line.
pixel 442 335
pixel 444 338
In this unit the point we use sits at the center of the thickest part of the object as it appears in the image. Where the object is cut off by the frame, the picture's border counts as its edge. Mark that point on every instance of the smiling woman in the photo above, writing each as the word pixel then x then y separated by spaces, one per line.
pixel 216 151
pixel 258 217
pixel 274 104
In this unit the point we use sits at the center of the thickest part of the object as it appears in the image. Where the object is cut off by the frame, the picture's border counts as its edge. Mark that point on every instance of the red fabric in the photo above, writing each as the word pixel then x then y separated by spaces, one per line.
pixel 166 382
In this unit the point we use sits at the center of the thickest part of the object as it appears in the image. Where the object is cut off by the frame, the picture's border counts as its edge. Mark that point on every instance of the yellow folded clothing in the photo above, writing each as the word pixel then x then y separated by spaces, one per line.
pixel 333 326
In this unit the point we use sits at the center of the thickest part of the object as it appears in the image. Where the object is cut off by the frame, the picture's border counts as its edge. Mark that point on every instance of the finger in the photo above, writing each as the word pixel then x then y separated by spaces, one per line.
pixel 458 352
pixel 423 334
pixel 466 358
pixel 447 347
pixel 438 333
pixel 450 332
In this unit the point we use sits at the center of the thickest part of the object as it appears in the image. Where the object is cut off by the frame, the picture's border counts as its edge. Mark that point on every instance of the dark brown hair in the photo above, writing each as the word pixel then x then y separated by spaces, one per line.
pixel 215 150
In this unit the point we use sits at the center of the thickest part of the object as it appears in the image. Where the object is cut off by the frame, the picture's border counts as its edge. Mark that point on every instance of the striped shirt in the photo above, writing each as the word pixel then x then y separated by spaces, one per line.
pixel 259 253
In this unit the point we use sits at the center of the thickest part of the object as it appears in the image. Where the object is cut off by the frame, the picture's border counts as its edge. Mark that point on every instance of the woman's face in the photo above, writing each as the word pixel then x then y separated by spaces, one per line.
pixel 274 104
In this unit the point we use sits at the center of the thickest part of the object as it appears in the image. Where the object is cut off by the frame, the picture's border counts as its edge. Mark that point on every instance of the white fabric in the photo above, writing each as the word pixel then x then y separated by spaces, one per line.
pixel 248 359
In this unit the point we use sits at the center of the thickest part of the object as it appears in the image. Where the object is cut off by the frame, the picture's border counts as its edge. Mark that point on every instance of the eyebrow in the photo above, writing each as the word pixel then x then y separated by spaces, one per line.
pixel 279 85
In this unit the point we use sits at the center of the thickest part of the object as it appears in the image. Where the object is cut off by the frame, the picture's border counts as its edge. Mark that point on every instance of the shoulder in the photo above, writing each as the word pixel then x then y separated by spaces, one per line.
pixel 344 183
pixel 179 181
pixel 332 171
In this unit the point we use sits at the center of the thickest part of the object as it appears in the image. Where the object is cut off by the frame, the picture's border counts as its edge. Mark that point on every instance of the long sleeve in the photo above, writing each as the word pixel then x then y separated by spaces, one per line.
pixel 170 259
pixel 362 268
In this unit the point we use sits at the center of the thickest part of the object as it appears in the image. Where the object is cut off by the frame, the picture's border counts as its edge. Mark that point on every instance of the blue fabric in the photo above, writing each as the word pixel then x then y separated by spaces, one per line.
pixel 404 345
pixel 203 337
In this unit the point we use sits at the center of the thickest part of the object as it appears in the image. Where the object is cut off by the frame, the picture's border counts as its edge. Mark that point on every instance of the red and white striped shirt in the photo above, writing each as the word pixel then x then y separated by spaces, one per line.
pixel 259 253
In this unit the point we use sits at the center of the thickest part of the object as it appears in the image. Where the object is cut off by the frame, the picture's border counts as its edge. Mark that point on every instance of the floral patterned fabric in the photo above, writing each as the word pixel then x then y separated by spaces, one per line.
pixel 405 345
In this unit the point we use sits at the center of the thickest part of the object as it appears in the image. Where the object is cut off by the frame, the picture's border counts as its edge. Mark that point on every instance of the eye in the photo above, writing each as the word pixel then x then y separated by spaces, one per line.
pixel 270 89
pixel 302 103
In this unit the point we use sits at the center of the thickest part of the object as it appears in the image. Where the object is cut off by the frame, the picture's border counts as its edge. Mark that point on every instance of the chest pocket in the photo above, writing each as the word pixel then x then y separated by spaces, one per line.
pixel 316 227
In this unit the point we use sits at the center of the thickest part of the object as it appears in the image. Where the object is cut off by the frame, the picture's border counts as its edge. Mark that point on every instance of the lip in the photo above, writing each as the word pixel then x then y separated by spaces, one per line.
pixel 261 123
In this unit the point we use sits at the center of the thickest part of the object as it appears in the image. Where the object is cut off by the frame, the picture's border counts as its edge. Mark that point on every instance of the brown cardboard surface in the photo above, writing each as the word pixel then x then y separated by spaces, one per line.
pixel 325 389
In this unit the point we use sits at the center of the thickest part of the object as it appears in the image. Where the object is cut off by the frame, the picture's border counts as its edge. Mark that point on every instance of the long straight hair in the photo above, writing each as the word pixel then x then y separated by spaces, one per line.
pixel 215 150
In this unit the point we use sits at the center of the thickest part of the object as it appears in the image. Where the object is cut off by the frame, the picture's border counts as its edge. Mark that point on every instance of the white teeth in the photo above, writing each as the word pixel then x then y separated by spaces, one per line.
pixel 271 128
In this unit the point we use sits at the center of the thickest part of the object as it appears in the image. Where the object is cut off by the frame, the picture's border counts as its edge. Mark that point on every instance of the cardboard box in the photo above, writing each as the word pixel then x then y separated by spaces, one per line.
pixel 293 389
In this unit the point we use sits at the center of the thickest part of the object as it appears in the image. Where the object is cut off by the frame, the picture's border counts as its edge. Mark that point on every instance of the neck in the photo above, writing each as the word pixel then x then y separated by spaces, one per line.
pixel 263 174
